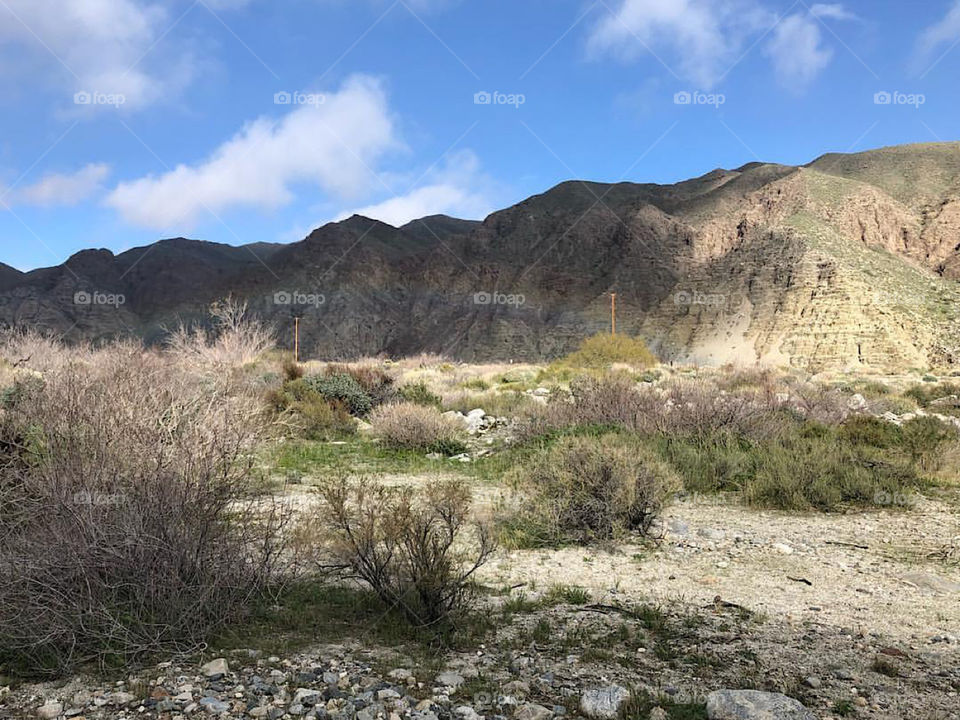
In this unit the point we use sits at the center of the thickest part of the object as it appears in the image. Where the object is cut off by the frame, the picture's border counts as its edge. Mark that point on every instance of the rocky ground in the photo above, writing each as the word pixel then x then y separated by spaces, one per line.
pixel 851 615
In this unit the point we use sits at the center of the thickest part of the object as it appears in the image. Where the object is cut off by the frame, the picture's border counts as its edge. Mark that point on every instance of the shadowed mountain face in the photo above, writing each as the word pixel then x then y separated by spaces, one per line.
pixel 850 261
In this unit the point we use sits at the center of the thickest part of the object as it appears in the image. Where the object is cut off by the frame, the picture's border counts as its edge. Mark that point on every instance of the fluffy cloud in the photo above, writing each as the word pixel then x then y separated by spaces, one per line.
pixel 64 189
pixel 702 40
pixel 459 189
pixel 938 39
pixel 796 49
pixel 697 39
pixel 332 146
pixel 96 44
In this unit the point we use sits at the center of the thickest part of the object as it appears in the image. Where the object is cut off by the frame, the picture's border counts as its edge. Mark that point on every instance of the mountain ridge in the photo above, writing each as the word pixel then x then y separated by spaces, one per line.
pixel 851 260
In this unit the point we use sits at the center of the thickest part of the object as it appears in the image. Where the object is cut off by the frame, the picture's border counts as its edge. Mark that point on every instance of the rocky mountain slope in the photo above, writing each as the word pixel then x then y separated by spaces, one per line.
pixel 851 261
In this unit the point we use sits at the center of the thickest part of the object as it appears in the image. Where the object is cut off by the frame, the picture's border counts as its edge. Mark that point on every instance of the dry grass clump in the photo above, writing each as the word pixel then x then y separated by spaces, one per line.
pixel 416 548
pixel 129 516
pixel 409 426
pixel 584 490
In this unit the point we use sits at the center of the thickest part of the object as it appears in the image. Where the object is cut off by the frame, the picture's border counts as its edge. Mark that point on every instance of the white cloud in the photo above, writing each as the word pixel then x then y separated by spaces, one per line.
pixel 95 45
pixel 831 11
pixel 702 40
pixel 459 189
pixel 64 189
pixel 699 40
pixel 933 40
pixel 796 49
pixel 332 146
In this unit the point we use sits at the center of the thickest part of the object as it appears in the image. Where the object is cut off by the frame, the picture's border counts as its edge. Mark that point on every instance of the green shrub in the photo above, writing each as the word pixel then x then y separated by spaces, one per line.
pixel 342 387
pixel 375 382
pixel 603 350
pixel 420 394
pixel 871 431
pixel 584 490
pixel 806 466
pixel 926 394
pixel 323 419
pixel 923 440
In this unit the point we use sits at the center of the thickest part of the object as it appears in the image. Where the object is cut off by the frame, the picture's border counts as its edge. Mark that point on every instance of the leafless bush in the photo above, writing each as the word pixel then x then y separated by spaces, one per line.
pixel 410 426
pixel 417 549
pixel 821 403
pixel 698 408
pixel 234 339
pixel 129 518
pixel 612 399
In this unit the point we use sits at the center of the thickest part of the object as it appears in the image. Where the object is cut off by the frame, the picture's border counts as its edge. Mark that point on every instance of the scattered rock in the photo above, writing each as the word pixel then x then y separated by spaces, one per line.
pixel 603 703
pixel 532 711
pixel 50 710
pixel 215 668
pixel 929 581
pixel 450 679
pixel 754 705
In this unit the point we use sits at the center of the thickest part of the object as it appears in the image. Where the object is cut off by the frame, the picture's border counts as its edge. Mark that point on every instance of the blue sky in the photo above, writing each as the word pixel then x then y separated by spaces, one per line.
pixel 126 121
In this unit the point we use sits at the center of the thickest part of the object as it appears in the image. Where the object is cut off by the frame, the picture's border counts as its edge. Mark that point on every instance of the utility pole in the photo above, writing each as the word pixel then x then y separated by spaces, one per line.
pixel 296 339
pixel 613 313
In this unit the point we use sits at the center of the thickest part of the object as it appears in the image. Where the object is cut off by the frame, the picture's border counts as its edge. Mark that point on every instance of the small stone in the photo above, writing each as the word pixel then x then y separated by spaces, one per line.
pixel 658 713
pixel 532 711
pixel 119 699
pixel 466 713
pixel 754 705
pixel 215 669
pixel 603 703
pixel 50 710
pixel 812 682
pixel 450 679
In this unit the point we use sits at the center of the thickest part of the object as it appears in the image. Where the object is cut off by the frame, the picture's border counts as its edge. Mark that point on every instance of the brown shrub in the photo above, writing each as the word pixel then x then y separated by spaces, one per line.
pixel 409 426
pixel 129 521
pixel 417 549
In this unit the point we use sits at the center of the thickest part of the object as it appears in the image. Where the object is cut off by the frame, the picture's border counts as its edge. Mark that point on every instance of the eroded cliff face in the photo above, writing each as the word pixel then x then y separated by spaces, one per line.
pixel 849 262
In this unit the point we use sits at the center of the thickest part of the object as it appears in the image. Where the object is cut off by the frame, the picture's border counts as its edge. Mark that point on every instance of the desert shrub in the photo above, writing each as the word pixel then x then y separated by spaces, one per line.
pixel 603 350
pixel 343 388
pixel 309 414
pixel 130 522
pixel 374 381
pixel 420 394
pixel 475 384
pixel 821 403
pixel 869 430
pixel 494 402
pixel 292 370
pixel 924 438
pixel 408 426
pixel 611 400
pixel 583 490
pixel 926 394
pixel 417 549
pixel 231 339
pixel 804 466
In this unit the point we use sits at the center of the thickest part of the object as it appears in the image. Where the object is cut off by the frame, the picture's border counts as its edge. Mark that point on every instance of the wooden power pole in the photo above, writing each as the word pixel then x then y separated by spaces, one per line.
pixel 296 339
pixel 613 313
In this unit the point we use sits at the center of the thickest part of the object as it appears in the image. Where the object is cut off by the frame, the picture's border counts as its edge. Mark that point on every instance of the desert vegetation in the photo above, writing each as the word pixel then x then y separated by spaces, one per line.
pixel 158 501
